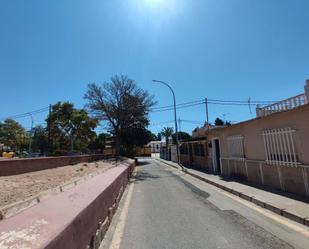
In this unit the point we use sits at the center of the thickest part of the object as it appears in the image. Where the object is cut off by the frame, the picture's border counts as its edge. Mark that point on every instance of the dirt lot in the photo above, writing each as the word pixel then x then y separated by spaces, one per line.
pixel 19 187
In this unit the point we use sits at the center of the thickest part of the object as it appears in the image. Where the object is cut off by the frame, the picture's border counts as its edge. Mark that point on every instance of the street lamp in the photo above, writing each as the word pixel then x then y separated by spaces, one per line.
pixel 175 118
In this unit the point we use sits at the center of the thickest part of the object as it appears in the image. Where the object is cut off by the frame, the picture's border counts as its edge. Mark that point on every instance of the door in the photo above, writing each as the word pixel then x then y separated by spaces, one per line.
pixel 216 155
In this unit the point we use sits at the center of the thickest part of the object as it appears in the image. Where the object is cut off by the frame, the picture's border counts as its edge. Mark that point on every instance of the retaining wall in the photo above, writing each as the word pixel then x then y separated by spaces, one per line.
pixel 20 166
pixel 75 219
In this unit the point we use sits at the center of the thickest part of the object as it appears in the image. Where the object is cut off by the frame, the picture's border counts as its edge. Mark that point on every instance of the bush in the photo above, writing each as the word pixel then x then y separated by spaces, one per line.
pixel 60 153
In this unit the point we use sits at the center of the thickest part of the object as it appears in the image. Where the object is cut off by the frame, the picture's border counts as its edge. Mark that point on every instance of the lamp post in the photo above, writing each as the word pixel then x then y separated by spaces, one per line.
pixel 175 118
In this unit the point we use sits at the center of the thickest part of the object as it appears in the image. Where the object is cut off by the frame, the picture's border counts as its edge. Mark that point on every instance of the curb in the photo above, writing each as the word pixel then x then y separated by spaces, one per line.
pixel 14 208
pixel 281 211
pixel 160 160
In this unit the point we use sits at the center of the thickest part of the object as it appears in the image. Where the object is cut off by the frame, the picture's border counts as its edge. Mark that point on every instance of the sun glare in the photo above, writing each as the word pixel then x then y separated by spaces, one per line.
pixel 156 12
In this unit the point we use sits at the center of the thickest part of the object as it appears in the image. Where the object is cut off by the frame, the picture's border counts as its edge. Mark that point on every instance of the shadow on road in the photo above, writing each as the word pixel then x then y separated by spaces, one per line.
pixel 147 176
pixel 142 163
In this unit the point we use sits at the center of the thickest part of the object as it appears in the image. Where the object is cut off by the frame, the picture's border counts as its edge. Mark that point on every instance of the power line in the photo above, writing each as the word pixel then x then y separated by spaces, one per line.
pixel 166 108
pixel 27 114
pixel 213 102
pixel 243 101
pixel 178 107
pixel 172 106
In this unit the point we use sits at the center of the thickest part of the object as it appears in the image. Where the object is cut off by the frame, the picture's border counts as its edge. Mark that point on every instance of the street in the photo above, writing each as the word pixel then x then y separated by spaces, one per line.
pixel 165 208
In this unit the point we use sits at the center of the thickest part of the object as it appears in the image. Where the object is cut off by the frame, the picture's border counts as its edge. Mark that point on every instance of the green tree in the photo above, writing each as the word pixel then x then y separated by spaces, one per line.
pixel 71 128
pixel 219 122
pixel 39 139
pixel 121 105
pixel 12 134
pixel 167 132
pixel 99 143
pixel 181 136
pixel 159 137
pixel 135 137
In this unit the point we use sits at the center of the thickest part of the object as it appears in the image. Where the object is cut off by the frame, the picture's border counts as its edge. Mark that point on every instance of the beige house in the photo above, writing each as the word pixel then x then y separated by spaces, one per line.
pixel 155 146
pixel 270 150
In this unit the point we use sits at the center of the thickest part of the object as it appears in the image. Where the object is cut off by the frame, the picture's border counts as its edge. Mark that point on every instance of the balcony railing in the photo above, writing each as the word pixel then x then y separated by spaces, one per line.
pixel 283 105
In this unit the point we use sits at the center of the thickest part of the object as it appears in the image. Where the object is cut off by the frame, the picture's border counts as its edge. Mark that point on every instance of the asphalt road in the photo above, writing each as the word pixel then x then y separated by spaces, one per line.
pixel 165 208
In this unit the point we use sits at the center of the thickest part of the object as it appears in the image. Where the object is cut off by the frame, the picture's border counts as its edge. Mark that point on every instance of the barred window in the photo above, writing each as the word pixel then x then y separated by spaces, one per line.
pixel 198 149
pixel 235 145
pixel 184 149
pixel 279 147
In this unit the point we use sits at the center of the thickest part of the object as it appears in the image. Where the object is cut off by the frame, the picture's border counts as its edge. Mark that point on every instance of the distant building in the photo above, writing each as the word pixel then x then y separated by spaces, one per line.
pixel 155 146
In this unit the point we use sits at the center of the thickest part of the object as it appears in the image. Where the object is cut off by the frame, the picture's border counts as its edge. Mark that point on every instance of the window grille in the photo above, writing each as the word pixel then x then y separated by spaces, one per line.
pixel 198 149
pixel 184 149
pixel 279 147
pixel 235 145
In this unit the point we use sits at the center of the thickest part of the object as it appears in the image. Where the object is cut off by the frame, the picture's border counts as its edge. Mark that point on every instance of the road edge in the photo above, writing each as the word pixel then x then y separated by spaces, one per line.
pixel 281 211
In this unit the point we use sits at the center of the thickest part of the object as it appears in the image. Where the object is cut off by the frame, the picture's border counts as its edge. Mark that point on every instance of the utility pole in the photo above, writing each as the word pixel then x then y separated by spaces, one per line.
pixel 30 133
pixel 179 125
pixel 49 129
pixel 207 119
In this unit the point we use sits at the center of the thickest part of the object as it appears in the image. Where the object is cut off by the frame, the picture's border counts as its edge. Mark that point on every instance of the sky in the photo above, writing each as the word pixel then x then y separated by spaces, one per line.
pixel 219 49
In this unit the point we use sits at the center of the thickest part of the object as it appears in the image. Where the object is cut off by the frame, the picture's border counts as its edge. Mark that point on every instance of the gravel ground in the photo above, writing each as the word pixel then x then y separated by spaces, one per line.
pixel 19 187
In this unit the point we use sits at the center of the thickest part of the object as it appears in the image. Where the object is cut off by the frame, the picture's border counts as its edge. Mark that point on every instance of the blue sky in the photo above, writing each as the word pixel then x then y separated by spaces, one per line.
pixel 220 49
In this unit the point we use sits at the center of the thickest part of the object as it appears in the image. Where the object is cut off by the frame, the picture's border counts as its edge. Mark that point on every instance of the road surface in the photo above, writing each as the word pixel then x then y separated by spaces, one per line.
pixel 167 209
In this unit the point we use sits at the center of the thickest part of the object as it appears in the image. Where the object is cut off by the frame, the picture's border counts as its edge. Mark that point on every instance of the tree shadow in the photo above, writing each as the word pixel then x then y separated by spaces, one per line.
pixel 144 176
pixel 142 163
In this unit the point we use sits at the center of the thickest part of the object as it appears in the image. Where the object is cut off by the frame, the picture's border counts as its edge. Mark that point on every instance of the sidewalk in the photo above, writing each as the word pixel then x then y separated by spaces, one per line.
pixel 292 209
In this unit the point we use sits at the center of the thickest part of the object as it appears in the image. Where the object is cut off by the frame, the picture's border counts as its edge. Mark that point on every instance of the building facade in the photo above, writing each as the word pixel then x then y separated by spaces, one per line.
pixel 270 150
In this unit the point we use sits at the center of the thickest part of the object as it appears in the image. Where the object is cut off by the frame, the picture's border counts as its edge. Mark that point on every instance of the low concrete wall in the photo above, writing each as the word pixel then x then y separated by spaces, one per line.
pixel 290 179
pixel 75 219
pixel 20 166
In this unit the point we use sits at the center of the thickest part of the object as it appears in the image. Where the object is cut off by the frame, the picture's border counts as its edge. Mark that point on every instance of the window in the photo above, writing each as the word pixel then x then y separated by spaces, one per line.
pixel 235 145
pixel 279 147
pixel 184 149
pixel 198 149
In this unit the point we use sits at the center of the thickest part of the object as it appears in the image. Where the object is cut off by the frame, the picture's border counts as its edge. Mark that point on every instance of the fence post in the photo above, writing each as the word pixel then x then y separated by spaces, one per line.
pixel 307 91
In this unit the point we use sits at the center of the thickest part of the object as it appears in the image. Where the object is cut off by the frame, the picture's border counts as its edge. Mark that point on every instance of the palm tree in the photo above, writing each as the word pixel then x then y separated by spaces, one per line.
pixel 167 132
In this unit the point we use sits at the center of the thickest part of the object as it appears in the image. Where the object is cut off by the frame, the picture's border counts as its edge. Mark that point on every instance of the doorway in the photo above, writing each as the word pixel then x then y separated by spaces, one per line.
pixel 216 155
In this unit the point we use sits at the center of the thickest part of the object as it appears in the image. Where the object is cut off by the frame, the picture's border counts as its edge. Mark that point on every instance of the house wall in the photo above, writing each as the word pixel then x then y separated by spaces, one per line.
pixel 194 160
pixel 253 167
pixel 297 119
pixel 173 153
pixel 155 146
pixel 286 178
